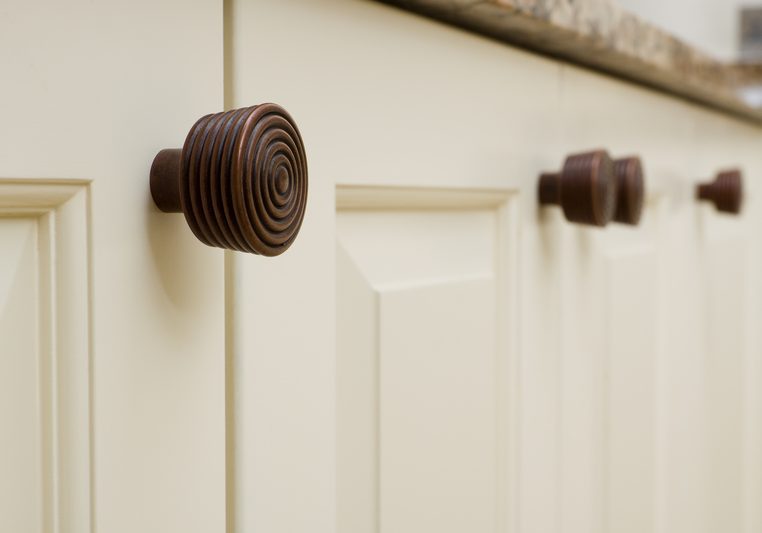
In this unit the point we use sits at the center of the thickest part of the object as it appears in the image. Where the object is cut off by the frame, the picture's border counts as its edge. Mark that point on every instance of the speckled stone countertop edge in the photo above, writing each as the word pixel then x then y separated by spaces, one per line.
pixel 598 34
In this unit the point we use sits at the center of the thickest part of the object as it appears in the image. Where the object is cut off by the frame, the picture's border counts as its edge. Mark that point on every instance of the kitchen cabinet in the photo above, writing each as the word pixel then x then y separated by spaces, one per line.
pixel 112 320
pixel 435 352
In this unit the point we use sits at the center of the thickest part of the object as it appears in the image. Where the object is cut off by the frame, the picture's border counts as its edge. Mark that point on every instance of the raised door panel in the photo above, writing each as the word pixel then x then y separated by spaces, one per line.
pixel 609 349
pixel 21 486
pixel 724 395
pixel 423 352
pixel 708 467
pixel 631 330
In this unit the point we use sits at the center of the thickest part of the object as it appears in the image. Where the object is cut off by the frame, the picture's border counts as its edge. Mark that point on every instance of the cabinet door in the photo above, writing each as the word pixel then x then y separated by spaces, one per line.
pixel 111 314
pixel 660 363
pixel 437 353
pixel 373 367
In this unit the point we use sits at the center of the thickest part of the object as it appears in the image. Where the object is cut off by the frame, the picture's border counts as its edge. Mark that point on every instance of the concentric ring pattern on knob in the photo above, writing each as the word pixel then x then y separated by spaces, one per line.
pixel 243 183
pixel 588 190
pixel 585 188
pixel 629 174
pixel 725 192
pixel 240 180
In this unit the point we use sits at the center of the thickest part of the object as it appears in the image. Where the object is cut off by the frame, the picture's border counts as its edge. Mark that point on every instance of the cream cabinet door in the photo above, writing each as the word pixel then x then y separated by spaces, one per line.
pixel 111 314
pixel 435 352
pixel 374 365
pixel 395 317
pixel 659 411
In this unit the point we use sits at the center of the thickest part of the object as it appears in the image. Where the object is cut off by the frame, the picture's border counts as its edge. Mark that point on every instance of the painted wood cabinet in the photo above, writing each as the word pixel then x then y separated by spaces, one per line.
pixel 434 353
pixel 112 315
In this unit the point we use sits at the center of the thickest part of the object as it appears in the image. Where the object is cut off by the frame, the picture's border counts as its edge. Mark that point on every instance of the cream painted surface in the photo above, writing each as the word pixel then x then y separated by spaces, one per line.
pixel 113 326
pixel 433 353
pixel 624 392
pixel 45 329
pixel 438 445
pixel 421 411
pixel 21 486
pixel 628 402
pixel 358 80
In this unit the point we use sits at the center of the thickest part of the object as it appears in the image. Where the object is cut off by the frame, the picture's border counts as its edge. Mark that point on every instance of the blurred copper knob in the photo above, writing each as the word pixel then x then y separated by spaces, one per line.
pixel 585 188
pixel 630 190
pixel 240 180
pixel 725 192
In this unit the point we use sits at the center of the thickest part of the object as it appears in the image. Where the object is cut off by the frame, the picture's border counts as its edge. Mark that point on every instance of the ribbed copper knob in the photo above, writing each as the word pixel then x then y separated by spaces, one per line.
pixel 240 179
pixel 725 192
pixel 630 190
pixel 586 188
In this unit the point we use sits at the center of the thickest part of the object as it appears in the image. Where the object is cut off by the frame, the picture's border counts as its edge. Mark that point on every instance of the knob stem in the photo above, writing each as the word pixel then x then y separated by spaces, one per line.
pixel 550 188
pixel 165 180
pixel 704 191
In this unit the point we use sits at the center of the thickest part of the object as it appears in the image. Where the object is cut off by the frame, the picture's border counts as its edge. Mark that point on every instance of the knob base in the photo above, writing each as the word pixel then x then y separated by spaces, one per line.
pixel 725 192
pixel 165 180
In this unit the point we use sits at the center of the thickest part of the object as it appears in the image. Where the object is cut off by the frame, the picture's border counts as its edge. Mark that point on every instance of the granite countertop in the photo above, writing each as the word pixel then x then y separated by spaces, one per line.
pixel 601 35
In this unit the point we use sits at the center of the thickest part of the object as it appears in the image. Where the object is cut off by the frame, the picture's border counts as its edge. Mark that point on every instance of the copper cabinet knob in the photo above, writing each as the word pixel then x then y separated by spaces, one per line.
pixel 240 180
pixel 725 192
pixel 630 190
pixel 586 188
